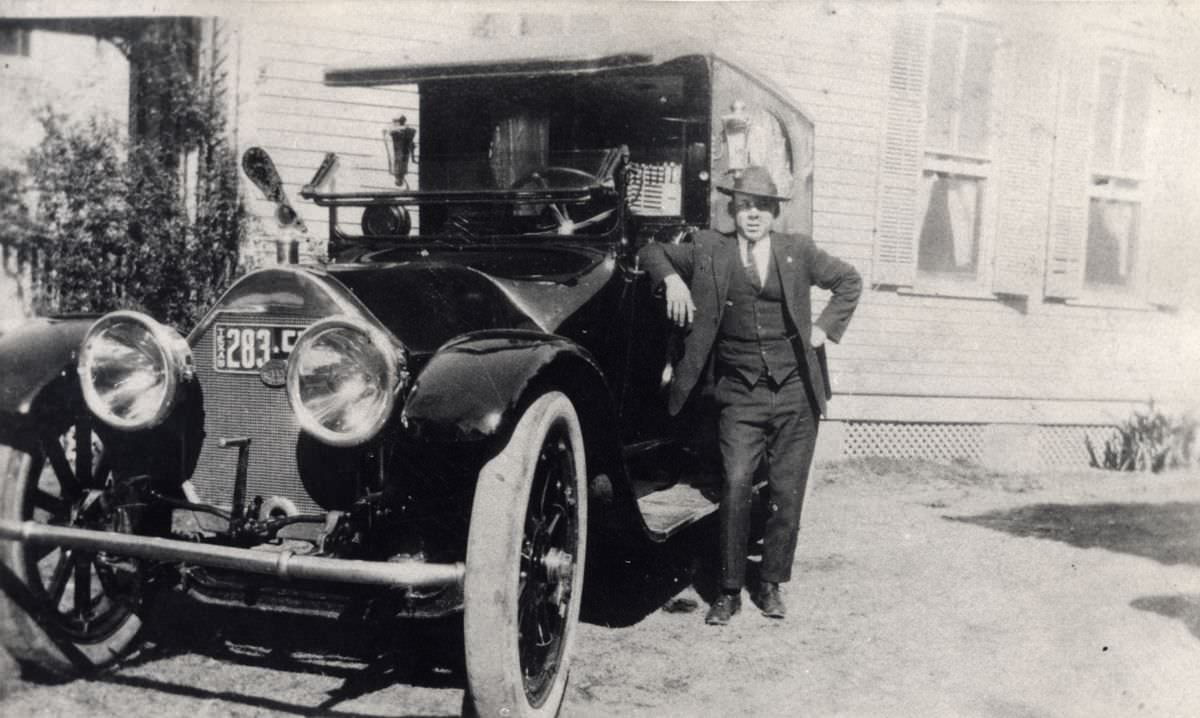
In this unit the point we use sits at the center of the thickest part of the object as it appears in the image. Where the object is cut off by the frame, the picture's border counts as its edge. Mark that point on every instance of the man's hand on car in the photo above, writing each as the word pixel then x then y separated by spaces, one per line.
pixel 680 308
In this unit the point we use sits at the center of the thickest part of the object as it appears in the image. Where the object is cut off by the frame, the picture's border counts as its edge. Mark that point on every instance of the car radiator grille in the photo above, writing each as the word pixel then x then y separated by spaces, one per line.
pixel 241 405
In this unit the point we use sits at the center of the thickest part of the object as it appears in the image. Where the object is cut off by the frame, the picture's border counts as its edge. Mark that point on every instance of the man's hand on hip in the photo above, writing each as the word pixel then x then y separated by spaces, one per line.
pixel 680 308
pixel 818 337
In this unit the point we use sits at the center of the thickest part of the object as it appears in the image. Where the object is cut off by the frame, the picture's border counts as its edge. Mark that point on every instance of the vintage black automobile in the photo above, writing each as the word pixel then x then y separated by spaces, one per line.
pixel 446 417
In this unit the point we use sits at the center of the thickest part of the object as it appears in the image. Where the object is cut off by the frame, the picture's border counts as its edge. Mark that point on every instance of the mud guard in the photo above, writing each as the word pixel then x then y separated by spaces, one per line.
pixel 471 388
pixel 34 356
pixel 474 388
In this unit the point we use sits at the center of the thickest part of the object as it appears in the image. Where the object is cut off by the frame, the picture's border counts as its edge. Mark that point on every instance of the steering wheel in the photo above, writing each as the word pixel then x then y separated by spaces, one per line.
pixel 557 177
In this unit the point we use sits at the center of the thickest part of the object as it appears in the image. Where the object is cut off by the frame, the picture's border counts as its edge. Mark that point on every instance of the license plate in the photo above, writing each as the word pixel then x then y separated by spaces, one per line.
pixel 247 347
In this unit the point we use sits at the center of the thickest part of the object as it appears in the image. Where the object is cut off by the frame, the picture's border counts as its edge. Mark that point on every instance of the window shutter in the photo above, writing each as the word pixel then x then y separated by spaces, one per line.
pixel 1172 155
pixel 900 164
pixel 1025 146
pixel 1069 203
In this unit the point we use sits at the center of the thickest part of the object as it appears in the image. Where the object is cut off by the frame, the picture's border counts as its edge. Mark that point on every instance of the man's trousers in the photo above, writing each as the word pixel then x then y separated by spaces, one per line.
pixel 772 423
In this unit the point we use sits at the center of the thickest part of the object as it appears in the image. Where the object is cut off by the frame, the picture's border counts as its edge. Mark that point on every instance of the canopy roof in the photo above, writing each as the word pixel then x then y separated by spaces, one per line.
pixel 529 57
pixel 493 58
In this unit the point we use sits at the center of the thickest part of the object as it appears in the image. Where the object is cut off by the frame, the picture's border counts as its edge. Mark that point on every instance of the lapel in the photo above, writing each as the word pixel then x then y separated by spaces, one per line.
pixel 784 259
pixel 724 253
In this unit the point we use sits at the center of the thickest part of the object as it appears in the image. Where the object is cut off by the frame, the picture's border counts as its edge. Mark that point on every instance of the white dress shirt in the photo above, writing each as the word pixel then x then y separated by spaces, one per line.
pixel 760 251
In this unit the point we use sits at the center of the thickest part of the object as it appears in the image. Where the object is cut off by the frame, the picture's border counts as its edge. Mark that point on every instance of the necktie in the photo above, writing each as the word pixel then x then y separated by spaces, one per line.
pixel 751 268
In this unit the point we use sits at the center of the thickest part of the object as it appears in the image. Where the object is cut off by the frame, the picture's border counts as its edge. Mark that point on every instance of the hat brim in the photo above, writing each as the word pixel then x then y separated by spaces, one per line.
pixel 731 191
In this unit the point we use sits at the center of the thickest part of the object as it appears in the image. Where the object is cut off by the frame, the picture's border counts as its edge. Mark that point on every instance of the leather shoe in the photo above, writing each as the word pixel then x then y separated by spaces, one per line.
pixel 723 609
pixel 770 601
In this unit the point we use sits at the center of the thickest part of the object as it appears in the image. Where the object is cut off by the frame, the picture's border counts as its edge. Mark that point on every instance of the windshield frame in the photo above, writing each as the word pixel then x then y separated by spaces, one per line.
pixel 606 187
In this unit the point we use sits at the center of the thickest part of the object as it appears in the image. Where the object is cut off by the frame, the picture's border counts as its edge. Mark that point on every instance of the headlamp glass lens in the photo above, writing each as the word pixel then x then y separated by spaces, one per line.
pixel 342 380
pixel 127 371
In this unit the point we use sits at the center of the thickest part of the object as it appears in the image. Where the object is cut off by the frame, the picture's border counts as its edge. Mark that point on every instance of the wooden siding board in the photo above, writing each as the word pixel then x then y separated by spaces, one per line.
pixel 834 176
pixel 831 160
pixel 280 50
pixel 826 220
pixel 810 28
pixel 319 142
pixel 825 189
pixel 816 86
pixel 852 379
pixel 927 345
pixel 325 34
pixel 828 113
pixel 846 147
pixel 853 252
pixel 866 133
pixel 374 115
pixel 340 124
pixel 309 90
pixel 816 101
pixel 860 238
pixel 830 205
pixel 877 407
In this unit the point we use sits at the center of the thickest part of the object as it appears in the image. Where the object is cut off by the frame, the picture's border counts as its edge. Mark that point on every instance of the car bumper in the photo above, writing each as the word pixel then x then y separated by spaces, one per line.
pixel 280 564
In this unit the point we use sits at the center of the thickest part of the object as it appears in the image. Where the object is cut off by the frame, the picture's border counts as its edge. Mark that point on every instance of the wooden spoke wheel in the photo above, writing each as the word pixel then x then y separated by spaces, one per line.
pixel 525 559
pixel 64 611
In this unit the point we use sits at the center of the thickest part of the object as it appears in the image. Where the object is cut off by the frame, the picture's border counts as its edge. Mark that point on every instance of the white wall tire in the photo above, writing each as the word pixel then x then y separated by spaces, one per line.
pixel 525 558
pixel 63 612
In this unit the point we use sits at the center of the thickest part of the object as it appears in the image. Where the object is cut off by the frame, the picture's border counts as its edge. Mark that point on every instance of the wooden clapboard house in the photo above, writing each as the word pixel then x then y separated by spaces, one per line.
pixel 1017 185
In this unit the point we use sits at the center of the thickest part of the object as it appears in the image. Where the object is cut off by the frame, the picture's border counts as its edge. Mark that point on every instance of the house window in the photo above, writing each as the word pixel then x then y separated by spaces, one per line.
pixel 1115 191
pixel 957 162
pixel 1111 242
pixel 14 41
pixel 950 226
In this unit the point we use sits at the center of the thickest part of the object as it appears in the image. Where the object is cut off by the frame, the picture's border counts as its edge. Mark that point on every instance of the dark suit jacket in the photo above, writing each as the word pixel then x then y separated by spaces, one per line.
pixel 706 264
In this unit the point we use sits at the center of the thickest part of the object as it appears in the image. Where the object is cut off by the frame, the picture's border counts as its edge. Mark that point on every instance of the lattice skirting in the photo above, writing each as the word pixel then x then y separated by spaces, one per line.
pixel 1066 444
pixel 905 440
pixel 1061 445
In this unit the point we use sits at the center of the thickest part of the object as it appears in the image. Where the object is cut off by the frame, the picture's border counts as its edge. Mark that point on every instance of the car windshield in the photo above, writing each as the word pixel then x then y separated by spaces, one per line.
pixel 529 156
pixel 524 192
pixel 505 192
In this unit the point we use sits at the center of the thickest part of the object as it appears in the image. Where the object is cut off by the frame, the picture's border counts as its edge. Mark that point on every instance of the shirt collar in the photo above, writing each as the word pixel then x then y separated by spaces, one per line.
pixel 761 245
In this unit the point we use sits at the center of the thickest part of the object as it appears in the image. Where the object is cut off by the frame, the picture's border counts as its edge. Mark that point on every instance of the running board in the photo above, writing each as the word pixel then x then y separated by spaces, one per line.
pixel 668 511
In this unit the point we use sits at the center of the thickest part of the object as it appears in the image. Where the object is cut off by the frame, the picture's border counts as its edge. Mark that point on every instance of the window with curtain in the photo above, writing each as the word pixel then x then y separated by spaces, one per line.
pixel 1111 242
pixel 1117 167
pixel 958 146
pixel 950 226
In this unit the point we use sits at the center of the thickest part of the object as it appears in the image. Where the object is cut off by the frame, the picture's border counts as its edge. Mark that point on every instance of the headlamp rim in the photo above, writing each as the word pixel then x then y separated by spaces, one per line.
pixel 394 378
pixel 176 359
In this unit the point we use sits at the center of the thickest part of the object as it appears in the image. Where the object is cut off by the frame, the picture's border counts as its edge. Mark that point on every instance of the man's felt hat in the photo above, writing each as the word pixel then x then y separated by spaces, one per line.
pixel 754 181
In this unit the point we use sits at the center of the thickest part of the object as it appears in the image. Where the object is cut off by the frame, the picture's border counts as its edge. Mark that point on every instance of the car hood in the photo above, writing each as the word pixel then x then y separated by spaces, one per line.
pixel 426 297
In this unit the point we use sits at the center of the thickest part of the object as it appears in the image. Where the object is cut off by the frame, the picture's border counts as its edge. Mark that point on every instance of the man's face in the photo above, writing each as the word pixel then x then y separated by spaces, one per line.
pixel 753 216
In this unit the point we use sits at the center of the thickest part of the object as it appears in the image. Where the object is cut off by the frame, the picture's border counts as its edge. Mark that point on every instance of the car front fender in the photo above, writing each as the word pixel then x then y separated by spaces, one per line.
pixel 472 387
pixel 34 357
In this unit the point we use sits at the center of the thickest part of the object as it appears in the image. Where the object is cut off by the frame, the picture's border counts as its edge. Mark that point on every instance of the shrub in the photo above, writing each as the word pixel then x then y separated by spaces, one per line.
pixel 14 217
pixel 76 236
pixel 1148 441
pixel 151 223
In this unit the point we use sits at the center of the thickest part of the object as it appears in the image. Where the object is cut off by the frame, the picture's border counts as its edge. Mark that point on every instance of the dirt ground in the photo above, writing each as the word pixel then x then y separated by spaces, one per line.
pixel 920 590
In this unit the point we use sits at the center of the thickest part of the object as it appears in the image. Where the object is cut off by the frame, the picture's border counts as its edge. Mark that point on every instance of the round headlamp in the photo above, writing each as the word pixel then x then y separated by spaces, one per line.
pixel 342 381
pixel 131 368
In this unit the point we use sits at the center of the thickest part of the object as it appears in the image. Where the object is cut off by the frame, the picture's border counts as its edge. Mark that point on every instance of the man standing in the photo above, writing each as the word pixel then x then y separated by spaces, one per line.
pixel 746 299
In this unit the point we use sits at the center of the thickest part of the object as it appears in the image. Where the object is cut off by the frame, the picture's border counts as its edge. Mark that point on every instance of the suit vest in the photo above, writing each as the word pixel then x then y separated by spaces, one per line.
pixel 752 339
